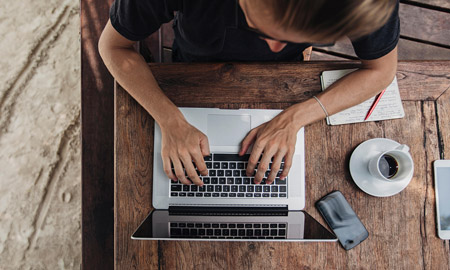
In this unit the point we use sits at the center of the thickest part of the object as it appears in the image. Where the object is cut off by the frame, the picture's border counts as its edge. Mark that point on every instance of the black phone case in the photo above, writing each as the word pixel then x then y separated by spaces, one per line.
pixel 341 218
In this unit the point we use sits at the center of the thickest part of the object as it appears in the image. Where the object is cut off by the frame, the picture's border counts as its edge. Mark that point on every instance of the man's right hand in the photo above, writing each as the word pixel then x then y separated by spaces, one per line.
pixel 184 146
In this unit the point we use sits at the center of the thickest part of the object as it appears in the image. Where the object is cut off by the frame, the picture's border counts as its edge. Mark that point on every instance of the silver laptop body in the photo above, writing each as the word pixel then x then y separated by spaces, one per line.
pixel 225 130
pixel 274 218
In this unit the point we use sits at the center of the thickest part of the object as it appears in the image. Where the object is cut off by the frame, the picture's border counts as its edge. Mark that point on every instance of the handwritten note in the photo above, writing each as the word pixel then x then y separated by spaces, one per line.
pixel 389 107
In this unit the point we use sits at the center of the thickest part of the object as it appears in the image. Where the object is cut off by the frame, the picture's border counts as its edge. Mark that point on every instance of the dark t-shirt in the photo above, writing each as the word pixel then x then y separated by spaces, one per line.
pixel 214 30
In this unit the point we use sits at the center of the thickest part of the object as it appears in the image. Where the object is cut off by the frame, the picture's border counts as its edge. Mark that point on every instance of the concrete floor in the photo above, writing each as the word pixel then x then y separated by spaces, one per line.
pixel 40 182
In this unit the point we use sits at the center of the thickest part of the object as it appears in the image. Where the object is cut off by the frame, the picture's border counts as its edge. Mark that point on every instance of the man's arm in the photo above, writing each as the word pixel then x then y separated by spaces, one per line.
pixel 276 139
pixel 181 142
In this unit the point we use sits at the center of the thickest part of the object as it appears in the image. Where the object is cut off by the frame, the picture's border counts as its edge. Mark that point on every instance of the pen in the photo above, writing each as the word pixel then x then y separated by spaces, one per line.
pixel 374 104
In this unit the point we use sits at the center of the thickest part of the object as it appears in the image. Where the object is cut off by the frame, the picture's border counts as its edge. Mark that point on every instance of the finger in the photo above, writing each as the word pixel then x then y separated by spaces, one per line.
pixel 263 165
pixel 199 162
pixel 168 168
pixel 287 164
pixel 190 170
pixel 179 172
pixel 275 166
pixel 204 146
pixel 254 158
pixel 248 140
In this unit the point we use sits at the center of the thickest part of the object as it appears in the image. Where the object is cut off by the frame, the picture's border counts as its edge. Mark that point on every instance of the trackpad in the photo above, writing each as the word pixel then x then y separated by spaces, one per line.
pixel 227 130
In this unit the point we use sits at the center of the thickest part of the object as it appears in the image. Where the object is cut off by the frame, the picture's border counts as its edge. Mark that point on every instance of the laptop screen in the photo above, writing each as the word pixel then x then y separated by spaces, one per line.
pixel 288 226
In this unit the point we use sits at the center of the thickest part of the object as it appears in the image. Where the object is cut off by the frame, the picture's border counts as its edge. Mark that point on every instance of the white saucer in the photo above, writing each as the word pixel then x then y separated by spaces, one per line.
pixel 360 172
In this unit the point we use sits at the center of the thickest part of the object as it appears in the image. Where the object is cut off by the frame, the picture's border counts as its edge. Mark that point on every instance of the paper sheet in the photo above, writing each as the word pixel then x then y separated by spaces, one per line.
pixel 389 107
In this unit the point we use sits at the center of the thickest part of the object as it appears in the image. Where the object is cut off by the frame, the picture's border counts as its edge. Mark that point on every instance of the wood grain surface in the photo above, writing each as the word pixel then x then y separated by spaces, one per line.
pixel 435 3
pixel 97 167
pixel 407 50
pixel 133 170
pixel 425 24
pixel 417 80
pixel 402 227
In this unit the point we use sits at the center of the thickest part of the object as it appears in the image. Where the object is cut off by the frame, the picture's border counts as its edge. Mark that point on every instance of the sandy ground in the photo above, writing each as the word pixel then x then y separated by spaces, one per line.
pixel 40 183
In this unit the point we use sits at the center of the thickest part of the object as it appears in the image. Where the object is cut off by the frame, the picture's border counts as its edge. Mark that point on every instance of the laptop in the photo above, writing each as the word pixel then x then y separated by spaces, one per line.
pixel 229 206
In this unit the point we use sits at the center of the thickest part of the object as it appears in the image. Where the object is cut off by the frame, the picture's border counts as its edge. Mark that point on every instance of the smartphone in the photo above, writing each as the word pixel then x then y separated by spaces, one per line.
pixel 341 218
pixel 442 188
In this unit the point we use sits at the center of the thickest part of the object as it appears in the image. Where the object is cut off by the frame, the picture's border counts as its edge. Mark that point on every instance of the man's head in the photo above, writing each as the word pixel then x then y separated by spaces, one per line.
pixel 314 21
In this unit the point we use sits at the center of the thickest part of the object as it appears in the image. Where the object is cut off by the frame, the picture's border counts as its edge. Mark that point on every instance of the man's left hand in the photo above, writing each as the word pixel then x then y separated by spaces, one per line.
pixel 274 141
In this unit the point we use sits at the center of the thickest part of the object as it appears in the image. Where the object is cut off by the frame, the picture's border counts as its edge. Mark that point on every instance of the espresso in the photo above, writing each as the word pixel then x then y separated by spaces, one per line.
pixel 388 166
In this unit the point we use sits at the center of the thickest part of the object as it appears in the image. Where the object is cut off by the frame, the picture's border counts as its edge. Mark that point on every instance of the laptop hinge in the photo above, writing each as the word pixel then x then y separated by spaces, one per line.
pixel 228 211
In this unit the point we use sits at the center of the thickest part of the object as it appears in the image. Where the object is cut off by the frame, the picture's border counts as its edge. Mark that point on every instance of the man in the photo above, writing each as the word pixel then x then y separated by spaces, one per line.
pixel 250 30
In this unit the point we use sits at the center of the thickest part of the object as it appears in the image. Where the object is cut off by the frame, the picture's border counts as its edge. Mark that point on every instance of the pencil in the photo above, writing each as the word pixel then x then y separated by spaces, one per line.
pixel 374 104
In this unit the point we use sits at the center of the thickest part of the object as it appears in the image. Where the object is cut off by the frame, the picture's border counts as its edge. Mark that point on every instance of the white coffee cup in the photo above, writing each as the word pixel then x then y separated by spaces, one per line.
pixel 392 165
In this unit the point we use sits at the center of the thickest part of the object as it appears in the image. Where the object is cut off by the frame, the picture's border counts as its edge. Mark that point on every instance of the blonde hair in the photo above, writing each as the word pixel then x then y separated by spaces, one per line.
pixel 330 19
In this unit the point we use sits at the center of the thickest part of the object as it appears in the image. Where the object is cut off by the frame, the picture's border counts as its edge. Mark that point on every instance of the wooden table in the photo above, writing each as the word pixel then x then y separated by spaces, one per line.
pixel 402 227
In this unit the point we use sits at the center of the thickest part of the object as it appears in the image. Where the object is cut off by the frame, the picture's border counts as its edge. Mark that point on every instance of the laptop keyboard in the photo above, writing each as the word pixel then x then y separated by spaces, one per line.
pixel 227 178
pixel 228 230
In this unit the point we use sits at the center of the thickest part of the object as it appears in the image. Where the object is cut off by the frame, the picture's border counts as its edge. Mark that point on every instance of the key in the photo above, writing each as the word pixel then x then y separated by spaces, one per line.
pixel 278 181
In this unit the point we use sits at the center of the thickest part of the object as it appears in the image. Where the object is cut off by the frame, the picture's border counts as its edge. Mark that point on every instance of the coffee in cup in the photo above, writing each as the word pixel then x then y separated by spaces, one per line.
pixel 392 165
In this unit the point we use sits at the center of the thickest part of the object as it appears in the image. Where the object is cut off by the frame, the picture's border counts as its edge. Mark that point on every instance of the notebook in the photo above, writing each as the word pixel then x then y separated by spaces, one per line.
pixel 389 107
